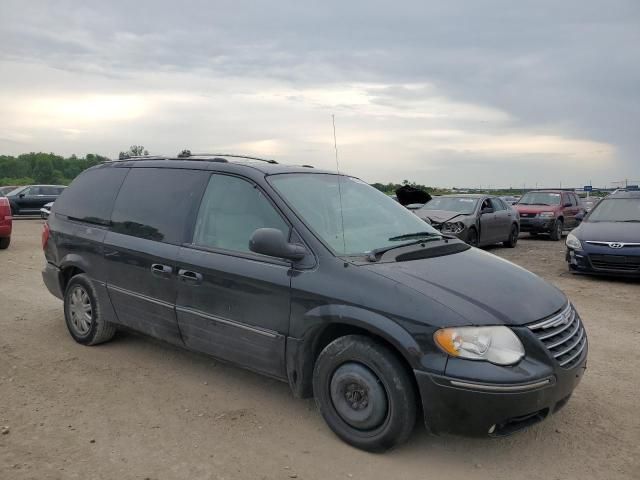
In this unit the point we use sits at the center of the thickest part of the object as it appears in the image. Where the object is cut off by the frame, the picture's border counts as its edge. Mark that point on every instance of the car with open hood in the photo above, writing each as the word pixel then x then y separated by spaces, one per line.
pixel 319 280
pixel 607 242
pixel 477 219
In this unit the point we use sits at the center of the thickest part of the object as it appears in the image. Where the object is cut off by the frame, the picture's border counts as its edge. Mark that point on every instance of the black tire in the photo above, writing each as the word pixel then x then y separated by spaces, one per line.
pixel 513 237
pixel 472 237
pixel 556 233
pixel 370 415
pixel 4 242
pixel 87 332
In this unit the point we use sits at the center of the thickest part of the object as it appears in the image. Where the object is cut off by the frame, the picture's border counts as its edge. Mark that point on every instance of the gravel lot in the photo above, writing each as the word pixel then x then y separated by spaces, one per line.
pixel 136 408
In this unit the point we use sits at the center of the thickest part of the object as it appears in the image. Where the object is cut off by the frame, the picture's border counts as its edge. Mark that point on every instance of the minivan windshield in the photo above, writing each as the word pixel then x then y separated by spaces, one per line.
pixel 540 198
pixel 464 205
pixel 616 210
pixel 372 220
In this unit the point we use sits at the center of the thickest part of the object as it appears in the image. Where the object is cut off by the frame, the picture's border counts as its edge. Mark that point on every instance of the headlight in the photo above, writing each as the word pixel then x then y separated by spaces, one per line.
pixel 455 227
pixel 497 345
pixel 546 214
pixel 573 242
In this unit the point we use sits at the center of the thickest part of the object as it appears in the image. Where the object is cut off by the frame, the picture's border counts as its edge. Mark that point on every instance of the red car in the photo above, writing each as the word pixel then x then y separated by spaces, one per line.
pixel 6 223
pixel 549 211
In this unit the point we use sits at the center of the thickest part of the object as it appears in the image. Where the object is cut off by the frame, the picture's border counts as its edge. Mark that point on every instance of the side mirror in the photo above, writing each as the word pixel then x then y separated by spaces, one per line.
pixel 486 210
pixel 21 195
pixel 271 242
pixel 580 217
pixel 568 204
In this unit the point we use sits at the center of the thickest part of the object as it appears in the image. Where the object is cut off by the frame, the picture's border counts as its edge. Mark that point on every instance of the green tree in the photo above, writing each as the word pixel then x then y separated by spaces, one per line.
pixel 134 151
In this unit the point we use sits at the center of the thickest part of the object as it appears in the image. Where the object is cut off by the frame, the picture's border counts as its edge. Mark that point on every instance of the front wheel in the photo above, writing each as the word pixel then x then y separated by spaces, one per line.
pixel 556 233
pixel 513 237
pixel 4 242
pixel 364 393
pixel 472 237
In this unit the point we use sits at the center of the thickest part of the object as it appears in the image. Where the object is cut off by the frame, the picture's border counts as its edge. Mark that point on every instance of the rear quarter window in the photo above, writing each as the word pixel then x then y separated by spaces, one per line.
pixel 90 197
pixel 158 203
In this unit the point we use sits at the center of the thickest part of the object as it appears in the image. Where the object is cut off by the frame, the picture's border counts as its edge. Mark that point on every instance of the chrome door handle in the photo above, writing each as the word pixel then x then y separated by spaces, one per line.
pixel 190 276
pixel 158 268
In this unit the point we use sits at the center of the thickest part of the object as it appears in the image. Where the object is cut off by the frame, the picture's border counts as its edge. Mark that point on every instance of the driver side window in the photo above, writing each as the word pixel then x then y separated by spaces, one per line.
pixel 231 210
pixel 497 204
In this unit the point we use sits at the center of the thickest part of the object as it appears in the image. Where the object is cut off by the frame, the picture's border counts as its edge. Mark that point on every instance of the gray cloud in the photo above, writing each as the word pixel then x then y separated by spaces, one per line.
pixel 563 69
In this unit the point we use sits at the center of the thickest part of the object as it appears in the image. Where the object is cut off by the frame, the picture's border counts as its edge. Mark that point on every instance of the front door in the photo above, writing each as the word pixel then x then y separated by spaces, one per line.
pixel 149 222
pixel 503 219
pixel 569 210
pixel 489 224
pixel 232 303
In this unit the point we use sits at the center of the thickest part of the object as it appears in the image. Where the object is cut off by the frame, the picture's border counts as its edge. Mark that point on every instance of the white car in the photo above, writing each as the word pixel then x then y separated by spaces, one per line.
pixel 46 210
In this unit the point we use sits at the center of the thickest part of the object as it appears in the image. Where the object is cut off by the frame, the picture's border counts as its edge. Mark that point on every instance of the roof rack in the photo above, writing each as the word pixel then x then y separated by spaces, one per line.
pixel 126 158
pixel 188 154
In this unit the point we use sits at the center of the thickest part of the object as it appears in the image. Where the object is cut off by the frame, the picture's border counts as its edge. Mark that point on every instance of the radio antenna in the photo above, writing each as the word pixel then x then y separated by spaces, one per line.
pixel 335 146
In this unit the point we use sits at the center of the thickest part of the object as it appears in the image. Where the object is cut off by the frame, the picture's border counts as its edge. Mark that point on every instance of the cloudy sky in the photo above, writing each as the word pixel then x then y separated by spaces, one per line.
pixel 442 93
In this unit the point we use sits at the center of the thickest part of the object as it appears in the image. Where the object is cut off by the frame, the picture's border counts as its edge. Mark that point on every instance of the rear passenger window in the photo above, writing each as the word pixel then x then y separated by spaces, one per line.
pixel 90 197
pixel 231 210
pixel 157 203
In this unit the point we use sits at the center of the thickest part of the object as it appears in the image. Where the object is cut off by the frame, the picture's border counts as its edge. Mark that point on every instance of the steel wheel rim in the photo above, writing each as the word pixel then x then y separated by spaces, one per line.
pixel 80 310
pixel 358 396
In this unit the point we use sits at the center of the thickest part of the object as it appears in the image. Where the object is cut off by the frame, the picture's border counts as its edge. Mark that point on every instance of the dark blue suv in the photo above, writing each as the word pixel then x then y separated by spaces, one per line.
pixel 608 240
pixel 318 280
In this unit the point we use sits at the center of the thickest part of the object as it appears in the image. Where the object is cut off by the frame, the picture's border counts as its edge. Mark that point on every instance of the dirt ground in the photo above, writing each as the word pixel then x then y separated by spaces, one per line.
pixel 135 408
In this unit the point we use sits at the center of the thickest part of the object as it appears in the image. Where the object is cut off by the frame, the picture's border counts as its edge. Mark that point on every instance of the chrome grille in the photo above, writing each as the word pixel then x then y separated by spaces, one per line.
pixel 563 335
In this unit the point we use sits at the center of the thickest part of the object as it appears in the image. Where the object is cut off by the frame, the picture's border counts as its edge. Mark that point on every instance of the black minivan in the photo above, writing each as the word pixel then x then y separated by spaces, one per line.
pixel 319 280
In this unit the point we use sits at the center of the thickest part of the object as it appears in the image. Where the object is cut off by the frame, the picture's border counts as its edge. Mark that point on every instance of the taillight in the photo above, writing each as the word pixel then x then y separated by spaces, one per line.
pixel 45 234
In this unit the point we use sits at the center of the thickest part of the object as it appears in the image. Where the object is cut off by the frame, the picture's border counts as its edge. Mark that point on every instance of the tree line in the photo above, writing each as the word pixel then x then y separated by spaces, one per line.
pixel 51 169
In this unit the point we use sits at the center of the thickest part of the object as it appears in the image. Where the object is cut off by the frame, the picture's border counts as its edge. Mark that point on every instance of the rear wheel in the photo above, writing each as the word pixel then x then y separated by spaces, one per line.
pixel 4 242
pixel 513 237
pixel 83 314
pixel 556 233
pixel 364 393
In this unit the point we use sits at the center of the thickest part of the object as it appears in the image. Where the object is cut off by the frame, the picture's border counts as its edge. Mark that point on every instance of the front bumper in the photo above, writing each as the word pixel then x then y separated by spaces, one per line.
pixel 602 262
pixel 453 405
pixel 536 224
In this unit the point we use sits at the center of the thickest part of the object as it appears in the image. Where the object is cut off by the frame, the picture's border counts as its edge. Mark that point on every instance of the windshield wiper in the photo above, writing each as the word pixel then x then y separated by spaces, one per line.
pixel 372 255
pixel 630 221
pixel 408 236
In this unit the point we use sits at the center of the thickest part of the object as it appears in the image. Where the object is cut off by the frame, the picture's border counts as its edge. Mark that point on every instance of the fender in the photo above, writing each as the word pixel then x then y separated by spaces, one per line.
pixel 301 350
pixel 75 260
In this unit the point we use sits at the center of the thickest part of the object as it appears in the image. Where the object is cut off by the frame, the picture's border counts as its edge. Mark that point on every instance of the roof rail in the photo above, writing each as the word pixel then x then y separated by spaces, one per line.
pixel 187 154
pixel 126 158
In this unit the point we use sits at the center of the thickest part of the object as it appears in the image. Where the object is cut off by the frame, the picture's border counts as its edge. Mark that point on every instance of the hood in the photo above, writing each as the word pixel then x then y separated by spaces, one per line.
pixel 535 208
pixel 407 195
pixel 481 288
pixel 439 216
pixel 608 232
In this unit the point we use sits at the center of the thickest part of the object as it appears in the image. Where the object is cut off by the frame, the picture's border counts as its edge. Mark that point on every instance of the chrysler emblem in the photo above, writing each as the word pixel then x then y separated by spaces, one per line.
pixel 616 245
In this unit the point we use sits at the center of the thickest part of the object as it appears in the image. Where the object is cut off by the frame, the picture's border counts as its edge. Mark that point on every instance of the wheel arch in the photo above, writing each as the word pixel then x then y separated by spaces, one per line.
pixel 302 353
pixel 71 266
